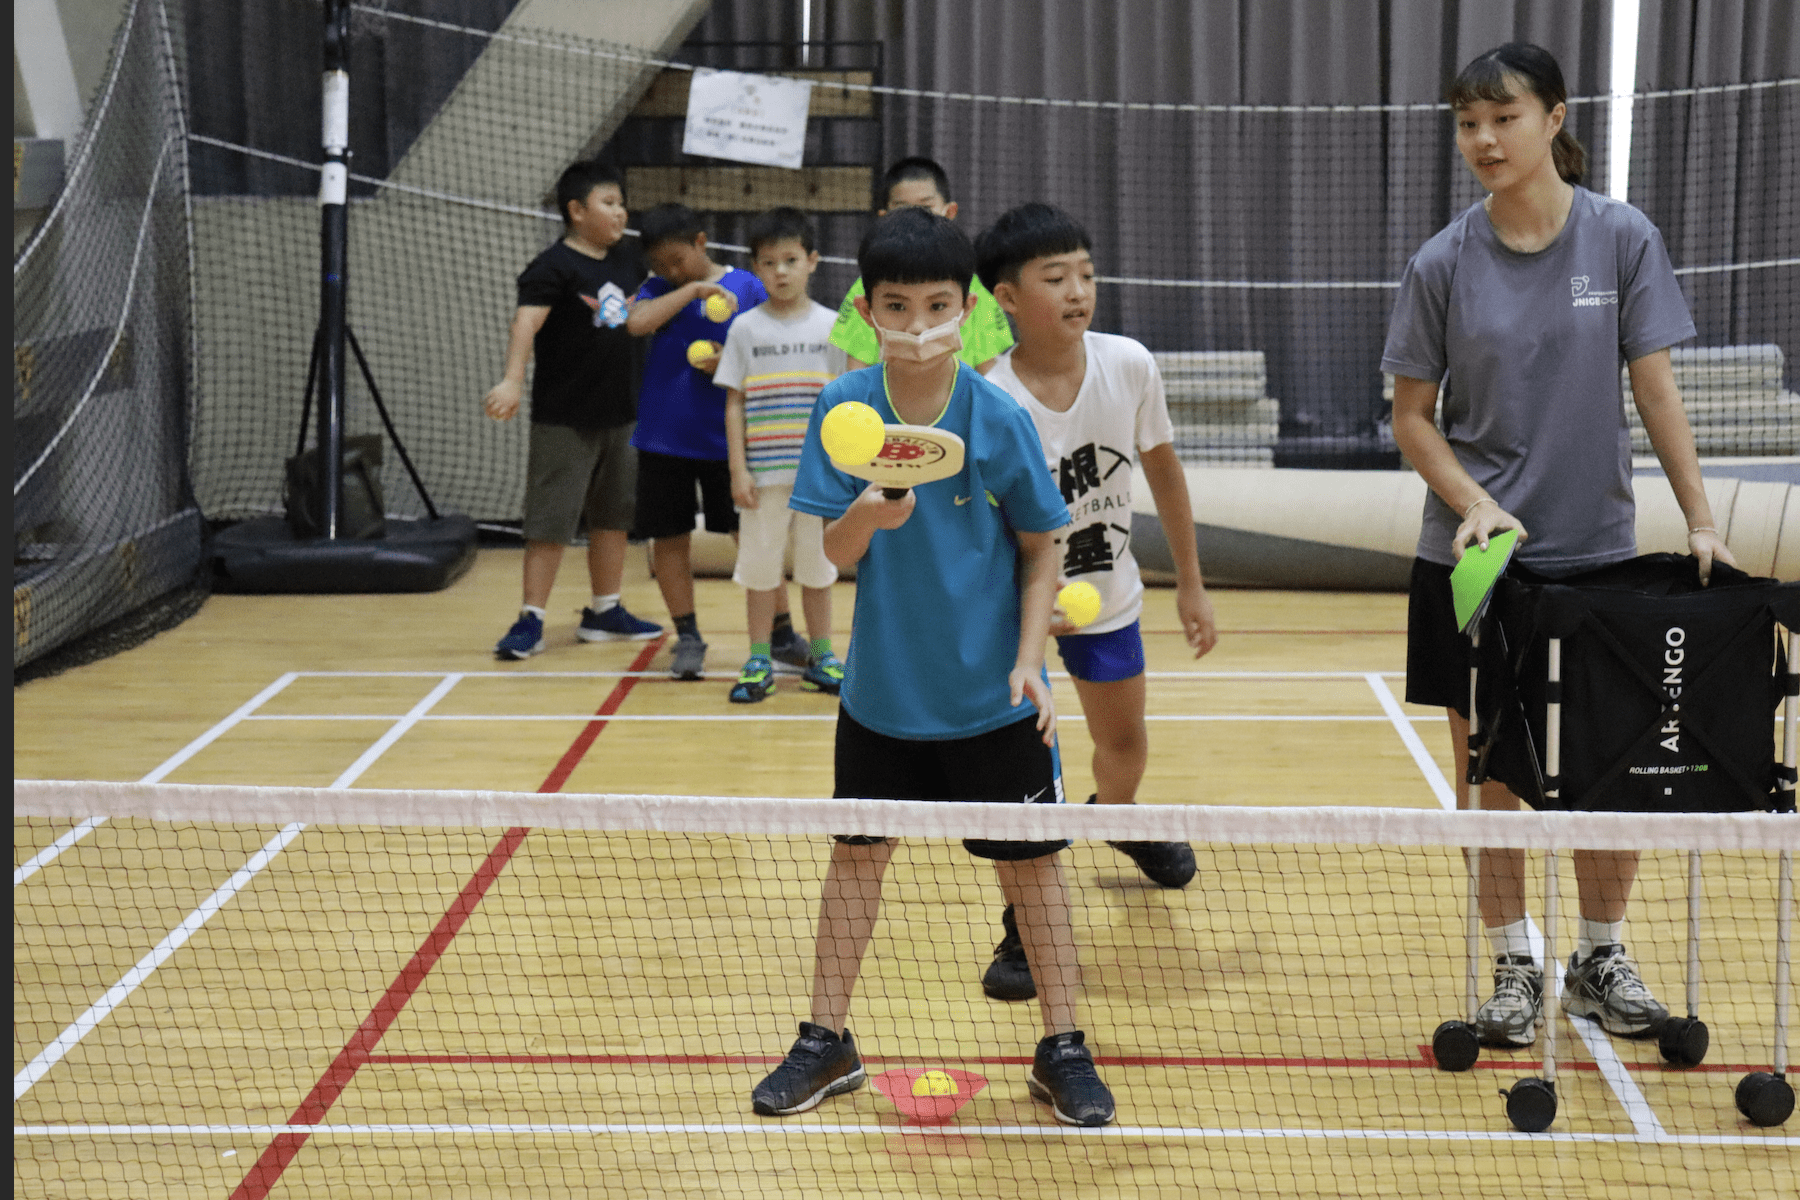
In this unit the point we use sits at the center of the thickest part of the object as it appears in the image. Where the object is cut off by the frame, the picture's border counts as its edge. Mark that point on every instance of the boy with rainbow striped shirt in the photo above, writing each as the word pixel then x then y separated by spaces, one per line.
pixel 777 358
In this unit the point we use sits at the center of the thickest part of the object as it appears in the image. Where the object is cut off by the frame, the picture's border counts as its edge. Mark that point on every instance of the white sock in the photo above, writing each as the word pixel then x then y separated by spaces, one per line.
pixel 1599 933
pixel 534 611
pixel 1514 939
pixel 605 603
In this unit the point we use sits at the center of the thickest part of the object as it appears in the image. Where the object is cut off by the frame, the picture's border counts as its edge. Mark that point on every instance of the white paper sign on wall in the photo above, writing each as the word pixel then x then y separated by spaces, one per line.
pixel 747 118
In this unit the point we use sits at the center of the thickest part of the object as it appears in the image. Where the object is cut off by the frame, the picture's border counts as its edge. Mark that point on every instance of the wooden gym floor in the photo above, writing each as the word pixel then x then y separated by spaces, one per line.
pixel 480 1013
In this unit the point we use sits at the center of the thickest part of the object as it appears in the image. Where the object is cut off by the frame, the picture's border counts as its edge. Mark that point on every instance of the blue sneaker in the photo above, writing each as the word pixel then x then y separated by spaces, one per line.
pixel 615 625
pixel 755 682
pixel 524 639
pixel 824 674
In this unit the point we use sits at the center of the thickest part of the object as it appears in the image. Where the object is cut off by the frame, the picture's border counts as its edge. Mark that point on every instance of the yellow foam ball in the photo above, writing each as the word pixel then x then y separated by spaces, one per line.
pixel 934 1083
pixel 719 308
pixel 1080 603
pixel 698 352
pixel 852 433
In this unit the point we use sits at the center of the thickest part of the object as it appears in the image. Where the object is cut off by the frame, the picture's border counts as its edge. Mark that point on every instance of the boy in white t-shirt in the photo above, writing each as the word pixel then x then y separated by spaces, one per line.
pixel 776 359
pixel 1097 401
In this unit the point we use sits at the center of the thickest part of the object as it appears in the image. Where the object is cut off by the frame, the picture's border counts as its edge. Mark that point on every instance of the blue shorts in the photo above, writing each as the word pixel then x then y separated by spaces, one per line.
pixel 1103 657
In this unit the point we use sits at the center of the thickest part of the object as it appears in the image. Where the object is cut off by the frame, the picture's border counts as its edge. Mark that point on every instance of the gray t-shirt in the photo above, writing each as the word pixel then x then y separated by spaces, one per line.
pixel 1528 348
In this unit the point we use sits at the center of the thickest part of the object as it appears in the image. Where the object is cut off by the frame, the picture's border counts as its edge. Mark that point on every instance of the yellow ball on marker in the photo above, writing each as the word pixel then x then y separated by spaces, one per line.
pixel 1080 603
pixel 719 308
pixel 698 352
pixel 934 1083
pixel 852 433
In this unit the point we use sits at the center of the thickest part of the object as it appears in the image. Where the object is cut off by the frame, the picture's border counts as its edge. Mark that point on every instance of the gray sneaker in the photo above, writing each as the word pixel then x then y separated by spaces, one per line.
pixel 1606 988
pixel 1510 1016
pixel 689 659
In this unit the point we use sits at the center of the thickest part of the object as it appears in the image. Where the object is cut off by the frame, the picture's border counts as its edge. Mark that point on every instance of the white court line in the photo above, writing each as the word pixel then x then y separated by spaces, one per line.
pixel 588 716
pixel 129 983
pixel 401 725
pixel 116 995
pixel 1599 1045
pixel 778 1127
pixel 1440 787
pixel 43 857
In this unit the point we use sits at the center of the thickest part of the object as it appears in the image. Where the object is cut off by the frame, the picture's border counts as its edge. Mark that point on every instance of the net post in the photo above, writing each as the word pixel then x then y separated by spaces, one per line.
pixel 1693 934
pixel 333 258
pixel 1550 918
pixel 1784 928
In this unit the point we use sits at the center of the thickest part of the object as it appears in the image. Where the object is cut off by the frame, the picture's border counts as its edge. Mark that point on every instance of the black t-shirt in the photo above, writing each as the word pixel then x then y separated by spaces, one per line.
pixel 587 364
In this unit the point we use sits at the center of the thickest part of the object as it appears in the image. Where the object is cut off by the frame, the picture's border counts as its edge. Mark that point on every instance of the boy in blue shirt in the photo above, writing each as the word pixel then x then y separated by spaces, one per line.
pixel 970 562
pixel 680 437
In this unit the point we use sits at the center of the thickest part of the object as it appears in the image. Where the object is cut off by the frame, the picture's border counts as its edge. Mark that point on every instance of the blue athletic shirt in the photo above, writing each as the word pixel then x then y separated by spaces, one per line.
pixel 680 412
pixel 937 600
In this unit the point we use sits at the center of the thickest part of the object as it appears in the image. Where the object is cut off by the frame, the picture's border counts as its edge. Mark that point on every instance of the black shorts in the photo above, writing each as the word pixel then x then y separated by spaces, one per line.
pixel 670 490
pixel 1008 764
pixel 1437 656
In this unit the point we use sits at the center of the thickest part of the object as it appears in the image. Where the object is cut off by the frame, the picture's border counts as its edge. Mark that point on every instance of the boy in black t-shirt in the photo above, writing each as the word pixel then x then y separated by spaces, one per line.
pixel 573 301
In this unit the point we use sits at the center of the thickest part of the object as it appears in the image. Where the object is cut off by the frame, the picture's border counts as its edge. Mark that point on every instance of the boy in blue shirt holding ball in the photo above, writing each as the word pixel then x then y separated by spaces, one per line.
pixel 970 561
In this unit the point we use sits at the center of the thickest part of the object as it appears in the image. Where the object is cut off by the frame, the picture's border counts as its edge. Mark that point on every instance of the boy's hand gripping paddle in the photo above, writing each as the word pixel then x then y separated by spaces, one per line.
pixel 897 457
pixel 1473 578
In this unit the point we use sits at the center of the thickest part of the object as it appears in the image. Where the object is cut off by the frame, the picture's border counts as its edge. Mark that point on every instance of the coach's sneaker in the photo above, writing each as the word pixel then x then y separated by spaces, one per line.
pixel 689 658
pixel 1168 864
pixel 790 650
pixel 1009 975
pixel 824 674
pixel 821 1064
pixel 615 625
pixel 1510 1016
pixel 1063 1076
pixel 524 639
pixel 754 682
pixel 1606 987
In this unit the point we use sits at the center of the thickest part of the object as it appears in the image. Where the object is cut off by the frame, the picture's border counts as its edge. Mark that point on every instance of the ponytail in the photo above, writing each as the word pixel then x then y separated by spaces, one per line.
pixel 1570 157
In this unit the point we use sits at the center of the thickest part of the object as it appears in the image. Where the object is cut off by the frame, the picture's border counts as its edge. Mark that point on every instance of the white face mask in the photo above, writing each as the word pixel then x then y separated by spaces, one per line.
pixel 933 344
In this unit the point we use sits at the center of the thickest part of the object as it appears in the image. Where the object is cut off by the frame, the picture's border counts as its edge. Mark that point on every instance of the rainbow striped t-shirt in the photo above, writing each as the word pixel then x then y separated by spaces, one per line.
pixel 780 366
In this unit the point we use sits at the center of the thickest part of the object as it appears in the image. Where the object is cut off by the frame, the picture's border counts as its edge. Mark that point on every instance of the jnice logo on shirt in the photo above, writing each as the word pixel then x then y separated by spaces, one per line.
pixel 609 307
pixel 1581 297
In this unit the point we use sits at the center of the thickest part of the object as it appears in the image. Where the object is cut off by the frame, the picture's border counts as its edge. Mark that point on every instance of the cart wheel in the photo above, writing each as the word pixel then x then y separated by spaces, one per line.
pixel 1531 1105
pixel 1455 1046
pixel 1765 1100
pixel 1684 1041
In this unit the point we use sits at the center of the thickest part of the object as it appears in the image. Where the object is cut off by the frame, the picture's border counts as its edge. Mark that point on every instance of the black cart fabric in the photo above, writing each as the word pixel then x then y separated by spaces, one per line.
pixel 1669 688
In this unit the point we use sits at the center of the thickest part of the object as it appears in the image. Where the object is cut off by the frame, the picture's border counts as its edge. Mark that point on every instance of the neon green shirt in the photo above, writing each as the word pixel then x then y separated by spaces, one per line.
pixel 985 334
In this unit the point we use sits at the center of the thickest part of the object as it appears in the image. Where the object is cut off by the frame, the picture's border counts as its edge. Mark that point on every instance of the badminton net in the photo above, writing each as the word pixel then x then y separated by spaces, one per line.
pixel 338 992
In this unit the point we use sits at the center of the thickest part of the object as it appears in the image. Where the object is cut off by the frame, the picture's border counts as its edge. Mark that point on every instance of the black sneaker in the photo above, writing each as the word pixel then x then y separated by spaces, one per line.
pixel 821 1064
pixel 1168 864
pixel 791 653
pixel 1009 975
pixel 1063 1076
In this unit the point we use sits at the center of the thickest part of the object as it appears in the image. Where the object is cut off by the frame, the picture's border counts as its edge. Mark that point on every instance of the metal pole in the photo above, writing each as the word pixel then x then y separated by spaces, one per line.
pixel 1472 921
pixel 333 195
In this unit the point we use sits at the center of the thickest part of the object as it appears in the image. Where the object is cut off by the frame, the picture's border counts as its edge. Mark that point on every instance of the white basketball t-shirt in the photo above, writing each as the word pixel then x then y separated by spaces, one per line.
pixel 1090 450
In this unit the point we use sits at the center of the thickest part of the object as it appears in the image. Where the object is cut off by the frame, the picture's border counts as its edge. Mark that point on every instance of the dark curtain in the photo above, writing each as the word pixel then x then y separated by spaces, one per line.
pixel 1315 196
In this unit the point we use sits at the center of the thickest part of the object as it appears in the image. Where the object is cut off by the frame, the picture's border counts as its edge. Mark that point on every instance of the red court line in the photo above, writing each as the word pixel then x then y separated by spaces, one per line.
pixel 274 1160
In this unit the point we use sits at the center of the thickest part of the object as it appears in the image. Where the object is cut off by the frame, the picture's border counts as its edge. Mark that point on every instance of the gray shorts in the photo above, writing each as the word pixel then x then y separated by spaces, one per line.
pixel 579 479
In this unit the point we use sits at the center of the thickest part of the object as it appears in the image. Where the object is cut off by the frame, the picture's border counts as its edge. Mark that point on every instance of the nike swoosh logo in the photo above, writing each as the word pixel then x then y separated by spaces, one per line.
pixel 1033 798
pixel 962 500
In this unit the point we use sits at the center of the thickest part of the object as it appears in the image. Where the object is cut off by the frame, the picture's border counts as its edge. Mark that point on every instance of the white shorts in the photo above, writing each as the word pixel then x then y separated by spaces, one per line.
pixel 763 544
